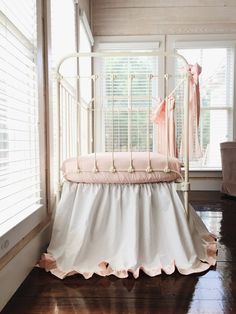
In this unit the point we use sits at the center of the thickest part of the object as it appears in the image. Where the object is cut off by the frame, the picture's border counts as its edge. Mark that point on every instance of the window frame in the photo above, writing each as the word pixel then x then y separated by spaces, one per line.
pixel 125 43
pixel 207 41
pixel 19 227
pixel 169 43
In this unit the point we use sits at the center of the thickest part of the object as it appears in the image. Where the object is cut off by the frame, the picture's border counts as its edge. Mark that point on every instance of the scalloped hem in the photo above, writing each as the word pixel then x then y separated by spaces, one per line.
pixel 105 268
pixel 81 231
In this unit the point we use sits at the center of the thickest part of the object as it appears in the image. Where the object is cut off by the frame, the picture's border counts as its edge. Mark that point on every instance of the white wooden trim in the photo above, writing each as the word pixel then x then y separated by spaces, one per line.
pixel 205 184
pixel 204 44
pixel 86 25
pixel 159 39
pixel 203 40
pixel 131 46
pixel 48 79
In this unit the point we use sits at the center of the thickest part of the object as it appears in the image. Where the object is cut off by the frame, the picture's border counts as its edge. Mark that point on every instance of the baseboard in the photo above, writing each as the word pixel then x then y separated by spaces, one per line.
pixel 206 184
pixel 15 272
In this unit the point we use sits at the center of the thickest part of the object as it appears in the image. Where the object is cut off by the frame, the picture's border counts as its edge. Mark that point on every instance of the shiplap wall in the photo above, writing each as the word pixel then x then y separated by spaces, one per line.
pixel 85 5
pixel 149 17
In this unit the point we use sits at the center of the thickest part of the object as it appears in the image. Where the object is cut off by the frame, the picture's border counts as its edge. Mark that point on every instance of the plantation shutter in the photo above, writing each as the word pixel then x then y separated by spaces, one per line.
pixel 19 136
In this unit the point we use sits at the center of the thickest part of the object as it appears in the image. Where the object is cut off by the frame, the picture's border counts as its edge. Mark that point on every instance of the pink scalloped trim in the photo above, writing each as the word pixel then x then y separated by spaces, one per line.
pixel 48 262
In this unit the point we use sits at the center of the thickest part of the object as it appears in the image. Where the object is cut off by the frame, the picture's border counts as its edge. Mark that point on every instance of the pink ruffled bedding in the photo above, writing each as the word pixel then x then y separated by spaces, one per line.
pixel 122 164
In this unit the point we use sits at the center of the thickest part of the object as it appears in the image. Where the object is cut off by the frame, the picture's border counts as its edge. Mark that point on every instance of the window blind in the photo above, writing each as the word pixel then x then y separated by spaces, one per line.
pixel 216 89
pixel 19 136
pixel 122 94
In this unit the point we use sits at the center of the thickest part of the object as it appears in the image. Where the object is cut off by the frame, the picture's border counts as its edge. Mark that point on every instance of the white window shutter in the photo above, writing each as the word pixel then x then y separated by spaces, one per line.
pixel 19 136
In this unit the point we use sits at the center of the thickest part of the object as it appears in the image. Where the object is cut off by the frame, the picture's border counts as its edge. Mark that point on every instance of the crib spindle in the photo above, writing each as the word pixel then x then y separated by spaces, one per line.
pixel 95 168
pixel 186 143
pixel 59 126
pixel 150 77
pixel 166 76
pixel 130 108
pixel 113 169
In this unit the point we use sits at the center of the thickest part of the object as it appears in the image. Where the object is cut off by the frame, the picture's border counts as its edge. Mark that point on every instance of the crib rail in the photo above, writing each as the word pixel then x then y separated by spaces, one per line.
pixel 73 111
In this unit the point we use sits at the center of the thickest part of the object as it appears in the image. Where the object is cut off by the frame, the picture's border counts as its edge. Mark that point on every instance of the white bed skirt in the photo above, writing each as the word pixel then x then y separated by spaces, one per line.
pixel 115 229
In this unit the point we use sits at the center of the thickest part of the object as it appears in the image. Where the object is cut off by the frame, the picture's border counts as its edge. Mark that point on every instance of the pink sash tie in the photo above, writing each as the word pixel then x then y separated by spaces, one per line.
pixel 194 111
pixel 159 117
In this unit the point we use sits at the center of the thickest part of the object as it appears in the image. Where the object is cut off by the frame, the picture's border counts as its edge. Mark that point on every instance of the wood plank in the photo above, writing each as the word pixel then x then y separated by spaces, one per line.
pixel 213 291
pixel 163 287
pixel 84 5
pixel 160 16
pixel 137 21
pixel 108 4
pixel 134 29
pixel 118 306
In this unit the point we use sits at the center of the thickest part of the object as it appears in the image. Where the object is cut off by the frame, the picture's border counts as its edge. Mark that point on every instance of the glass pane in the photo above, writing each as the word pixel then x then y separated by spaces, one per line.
pixel 216 91
pixel 214 130
pixel 122 94
pixel 216 79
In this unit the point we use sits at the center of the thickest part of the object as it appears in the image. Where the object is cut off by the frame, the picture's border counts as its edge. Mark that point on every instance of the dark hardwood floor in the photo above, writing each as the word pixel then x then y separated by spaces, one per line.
pixel 211 292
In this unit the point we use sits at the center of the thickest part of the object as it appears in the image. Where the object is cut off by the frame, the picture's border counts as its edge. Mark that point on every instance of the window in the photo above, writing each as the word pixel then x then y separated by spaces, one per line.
pixel 124 84
pixel 117 123
pixel 216 88
pixel 20 165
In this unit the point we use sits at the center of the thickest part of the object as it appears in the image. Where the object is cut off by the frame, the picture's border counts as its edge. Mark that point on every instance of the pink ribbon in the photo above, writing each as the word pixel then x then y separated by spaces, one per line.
pixel 159 117
pixel 194 111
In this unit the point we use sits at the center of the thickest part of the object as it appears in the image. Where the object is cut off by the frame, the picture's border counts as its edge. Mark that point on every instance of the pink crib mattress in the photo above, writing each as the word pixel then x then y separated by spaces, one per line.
pixel 122 164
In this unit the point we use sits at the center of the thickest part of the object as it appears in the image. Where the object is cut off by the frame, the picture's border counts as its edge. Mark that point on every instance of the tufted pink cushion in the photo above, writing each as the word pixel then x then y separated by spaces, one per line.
pixel 122 164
